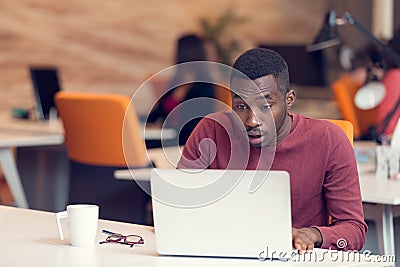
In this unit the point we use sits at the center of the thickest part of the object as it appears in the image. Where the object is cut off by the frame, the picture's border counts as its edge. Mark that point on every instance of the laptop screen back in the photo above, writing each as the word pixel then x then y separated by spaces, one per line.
pixel 194 217
pixel 45 85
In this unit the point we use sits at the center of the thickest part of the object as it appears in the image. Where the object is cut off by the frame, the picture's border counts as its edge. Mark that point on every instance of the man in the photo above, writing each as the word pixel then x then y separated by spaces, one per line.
pixel 316 153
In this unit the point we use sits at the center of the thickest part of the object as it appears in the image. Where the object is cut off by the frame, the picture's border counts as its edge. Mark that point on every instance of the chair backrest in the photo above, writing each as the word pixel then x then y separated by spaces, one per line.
pixel 96 128
pixel 344 90
pixel 223 94
pixel 347 128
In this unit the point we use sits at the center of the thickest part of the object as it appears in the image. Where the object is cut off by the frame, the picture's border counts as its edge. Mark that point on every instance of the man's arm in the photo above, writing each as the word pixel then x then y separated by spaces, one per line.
pixel 342 195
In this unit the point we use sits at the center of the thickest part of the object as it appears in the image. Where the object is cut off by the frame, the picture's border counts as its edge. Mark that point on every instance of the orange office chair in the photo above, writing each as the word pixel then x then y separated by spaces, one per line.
pixel 344 90
pixel 94 132
pixel 223 94
pixel 347 128
pixel 94 129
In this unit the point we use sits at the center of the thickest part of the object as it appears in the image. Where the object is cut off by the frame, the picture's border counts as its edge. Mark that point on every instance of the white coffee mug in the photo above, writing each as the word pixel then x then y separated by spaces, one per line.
pixel 82 224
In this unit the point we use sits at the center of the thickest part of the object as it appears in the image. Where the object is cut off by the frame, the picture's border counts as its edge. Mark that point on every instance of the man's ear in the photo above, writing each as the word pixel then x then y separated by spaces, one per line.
pixel 290 98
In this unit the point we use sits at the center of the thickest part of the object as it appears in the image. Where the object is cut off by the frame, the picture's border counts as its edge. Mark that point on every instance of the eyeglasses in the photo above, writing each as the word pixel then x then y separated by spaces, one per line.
pixel 129 240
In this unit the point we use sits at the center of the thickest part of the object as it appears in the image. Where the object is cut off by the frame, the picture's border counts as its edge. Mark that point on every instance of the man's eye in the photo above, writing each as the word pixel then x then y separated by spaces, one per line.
pixel 266 107
pixel 241 106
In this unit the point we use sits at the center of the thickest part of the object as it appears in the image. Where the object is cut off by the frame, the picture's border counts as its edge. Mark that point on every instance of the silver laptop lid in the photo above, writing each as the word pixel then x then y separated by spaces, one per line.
pixel 216 213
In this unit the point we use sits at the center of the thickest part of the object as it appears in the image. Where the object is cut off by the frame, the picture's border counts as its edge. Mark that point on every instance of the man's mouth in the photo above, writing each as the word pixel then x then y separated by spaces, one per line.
pixel 255 138
pixel 254 133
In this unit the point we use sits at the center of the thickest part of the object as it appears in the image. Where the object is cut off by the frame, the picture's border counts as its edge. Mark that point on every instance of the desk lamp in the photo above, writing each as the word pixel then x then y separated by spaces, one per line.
pixel 372 93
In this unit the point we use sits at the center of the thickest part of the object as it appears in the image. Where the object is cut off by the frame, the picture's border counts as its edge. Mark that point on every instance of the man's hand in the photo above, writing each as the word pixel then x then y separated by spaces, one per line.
pixel 306 238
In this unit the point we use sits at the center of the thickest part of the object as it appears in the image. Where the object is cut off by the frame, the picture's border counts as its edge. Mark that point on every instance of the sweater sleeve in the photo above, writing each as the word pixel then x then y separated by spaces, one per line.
pixel 342 195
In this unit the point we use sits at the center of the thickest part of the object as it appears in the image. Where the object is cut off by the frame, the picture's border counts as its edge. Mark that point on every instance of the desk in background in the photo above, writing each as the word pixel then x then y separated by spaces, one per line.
pixel 22 133
pixel 7 123
pixel 16 133
pixel 30 238
pixel 380 196
pixel 164 157
pixel 155 134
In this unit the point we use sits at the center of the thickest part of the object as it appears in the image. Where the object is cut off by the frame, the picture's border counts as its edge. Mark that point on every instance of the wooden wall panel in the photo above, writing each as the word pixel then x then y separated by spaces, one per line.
pixel 110 46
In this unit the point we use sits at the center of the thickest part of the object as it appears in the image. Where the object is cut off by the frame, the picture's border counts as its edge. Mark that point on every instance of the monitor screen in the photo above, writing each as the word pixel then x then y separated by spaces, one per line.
pixel 45 85
pixel 305 68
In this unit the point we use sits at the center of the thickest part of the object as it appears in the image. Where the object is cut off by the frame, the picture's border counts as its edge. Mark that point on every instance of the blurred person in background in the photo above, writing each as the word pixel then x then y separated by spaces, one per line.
pixel 372 64
pixel 185 85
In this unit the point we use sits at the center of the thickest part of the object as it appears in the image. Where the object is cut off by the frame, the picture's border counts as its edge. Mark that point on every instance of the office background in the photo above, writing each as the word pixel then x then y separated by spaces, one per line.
pixel 103 46
pixel 112 46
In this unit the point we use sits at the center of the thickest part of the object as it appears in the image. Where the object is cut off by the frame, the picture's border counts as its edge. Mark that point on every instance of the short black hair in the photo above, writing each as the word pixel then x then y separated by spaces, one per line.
pixel 260 62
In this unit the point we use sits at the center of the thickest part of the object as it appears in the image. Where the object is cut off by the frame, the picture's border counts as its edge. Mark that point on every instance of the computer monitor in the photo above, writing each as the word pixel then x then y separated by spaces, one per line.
pixel 305 68
pixel 46 85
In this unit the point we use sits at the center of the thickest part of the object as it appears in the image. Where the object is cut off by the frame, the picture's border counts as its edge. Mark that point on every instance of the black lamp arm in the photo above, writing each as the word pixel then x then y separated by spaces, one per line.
pixel 386 49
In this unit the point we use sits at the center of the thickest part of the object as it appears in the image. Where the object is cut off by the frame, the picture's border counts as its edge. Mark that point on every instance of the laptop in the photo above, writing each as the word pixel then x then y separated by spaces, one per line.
pixel 46 85
pixel 218 213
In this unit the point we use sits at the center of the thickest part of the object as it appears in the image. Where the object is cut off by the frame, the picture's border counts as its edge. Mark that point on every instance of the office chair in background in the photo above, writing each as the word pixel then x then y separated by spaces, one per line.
pixel 344 90
pixel 94 129
pixel 223 94
pixel 347 128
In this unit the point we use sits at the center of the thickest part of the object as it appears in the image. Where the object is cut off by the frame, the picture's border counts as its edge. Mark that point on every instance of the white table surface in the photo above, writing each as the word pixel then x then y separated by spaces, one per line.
pixel 158 134
pixel 379 191
pixel 166 158
pixel 30 238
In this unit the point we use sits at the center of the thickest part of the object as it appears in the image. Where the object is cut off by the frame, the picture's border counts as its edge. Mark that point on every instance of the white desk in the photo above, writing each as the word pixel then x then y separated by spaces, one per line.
pixel 165 158
pixel 381 197
pixel 19 133
pixel 384 195
pixel 380 191
pixel 150 134
pixel 30 238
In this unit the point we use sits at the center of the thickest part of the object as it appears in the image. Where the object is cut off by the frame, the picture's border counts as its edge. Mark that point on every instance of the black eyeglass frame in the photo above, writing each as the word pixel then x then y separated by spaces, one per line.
pixel 121 239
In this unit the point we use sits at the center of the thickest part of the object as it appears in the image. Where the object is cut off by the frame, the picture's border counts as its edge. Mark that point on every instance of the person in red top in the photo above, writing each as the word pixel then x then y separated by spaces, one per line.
pixel 260 133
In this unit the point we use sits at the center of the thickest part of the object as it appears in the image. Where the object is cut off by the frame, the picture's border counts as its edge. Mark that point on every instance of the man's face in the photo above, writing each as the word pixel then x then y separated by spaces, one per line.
pixel 261 108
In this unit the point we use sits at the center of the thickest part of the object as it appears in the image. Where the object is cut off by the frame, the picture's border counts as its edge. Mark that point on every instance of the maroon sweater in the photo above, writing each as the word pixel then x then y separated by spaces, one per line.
pixel 317 155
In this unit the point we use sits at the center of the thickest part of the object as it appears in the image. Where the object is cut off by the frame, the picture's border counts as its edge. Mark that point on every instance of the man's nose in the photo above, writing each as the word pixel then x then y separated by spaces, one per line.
pixel 251 119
